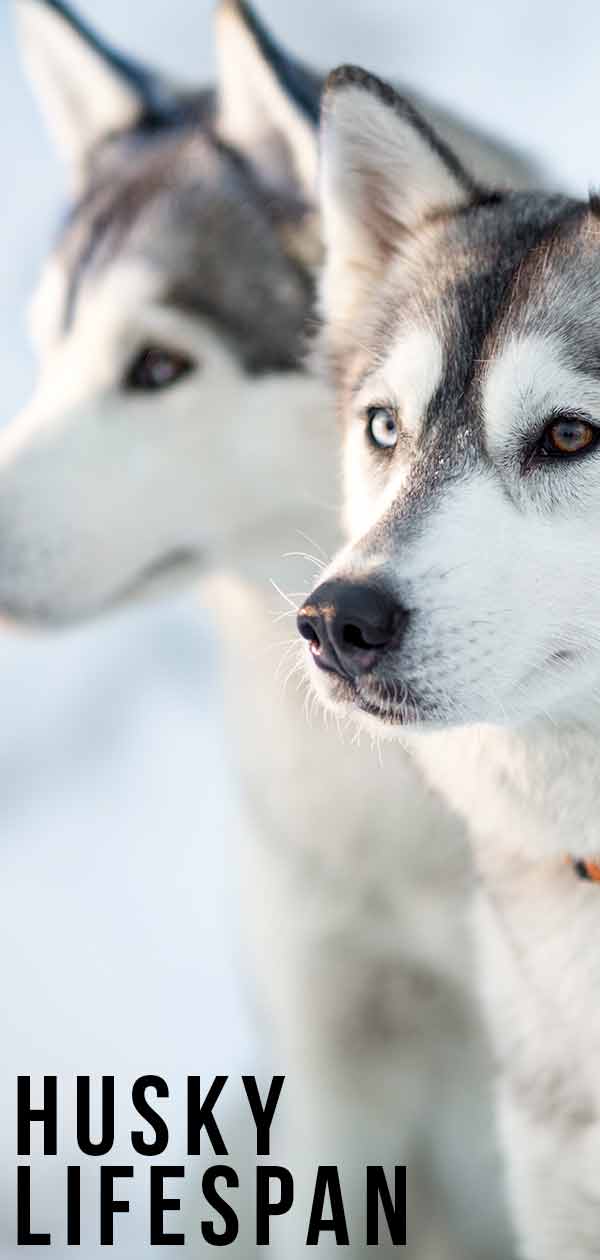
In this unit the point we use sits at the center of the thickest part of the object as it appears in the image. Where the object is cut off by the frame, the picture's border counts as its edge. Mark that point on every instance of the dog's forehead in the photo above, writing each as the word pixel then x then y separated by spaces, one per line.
pixel 190 208
pixel 463 288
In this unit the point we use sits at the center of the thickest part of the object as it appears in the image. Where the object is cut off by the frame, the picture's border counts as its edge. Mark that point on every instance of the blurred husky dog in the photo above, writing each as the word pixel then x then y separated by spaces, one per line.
pixel 176 433
pixel 463 330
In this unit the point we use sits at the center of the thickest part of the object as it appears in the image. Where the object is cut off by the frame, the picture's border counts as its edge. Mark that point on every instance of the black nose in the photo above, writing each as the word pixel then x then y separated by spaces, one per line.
pixel 350 624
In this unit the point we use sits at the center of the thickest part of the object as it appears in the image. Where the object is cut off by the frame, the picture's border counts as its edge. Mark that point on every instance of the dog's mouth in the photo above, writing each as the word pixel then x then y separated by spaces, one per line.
pixel 388 701
pixel 392 711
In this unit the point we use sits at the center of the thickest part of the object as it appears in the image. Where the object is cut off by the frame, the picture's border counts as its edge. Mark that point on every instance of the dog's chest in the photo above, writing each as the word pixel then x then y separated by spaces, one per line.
pixel 531 800
pixel 539 933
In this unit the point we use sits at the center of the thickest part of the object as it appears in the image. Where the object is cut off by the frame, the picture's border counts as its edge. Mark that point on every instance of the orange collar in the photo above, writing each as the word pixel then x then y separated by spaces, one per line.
pixel 584 868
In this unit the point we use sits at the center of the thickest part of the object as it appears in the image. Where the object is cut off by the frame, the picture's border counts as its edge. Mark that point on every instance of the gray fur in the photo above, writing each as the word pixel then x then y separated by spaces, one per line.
pixel 475 275
pixel 508 239
pixel 222 242
pixel 216 209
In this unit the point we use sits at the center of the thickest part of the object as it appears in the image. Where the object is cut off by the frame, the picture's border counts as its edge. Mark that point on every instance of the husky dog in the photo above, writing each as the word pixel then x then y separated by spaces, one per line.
pixel 462 330
pixel 176 432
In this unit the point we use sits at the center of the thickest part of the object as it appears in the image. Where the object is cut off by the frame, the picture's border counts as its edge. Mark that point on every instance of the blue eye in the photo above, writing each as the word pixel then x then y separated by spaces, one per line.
pixel 383 427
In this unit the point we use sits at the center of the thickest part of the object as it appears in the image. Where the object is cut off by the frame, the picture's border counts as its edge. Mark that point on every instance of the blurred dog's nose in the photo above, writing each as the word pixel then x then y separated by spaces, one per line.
pixel 350 624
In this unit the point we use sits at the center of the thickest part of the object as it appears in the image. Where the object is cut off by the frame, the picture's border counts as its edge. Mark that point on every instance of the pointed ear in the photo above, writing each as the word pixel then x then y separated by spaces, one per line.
pixel 268 104
pixel 383 172
pixel 86 89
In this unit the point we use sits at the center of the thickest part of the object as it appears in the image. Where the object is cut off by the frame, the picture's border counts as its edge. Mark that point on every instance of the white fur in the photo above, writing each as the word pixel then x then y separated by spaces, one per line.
pixel 530 378
pixel 355 878
pixel 354 938
pixel 254 110
pixel 83 98
pixel 502 578
pixel 416 358
pixel 172 473
pixel 419 355
pixel 530 797
pixel 354 195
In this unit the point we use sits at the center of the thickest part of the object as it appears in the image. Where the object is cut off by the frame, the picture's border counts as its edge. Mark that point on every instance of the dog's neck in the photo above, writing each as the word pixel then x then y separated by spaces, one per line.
pixel 531 797
pixel 530 793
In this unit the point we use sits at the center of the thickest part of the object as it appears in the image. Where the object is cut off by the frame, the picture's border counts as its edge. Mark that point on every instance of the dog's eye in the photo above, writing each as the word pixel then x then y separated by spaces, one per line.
pixel 568 435
pixel 157 368
pixel 383 428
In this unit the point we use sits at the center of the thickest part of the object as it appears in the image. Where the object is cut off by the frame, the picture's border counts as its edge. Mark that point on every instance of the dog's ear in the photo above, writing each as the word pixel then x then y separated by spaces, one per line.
pixel 87 90
pixel 268 104
pixel 383 172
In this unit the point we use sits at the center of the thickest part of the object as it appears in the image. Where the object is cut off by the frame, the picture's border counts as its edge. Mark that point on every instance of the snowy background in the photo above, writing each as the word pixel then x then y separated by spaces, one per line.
pixel 118 818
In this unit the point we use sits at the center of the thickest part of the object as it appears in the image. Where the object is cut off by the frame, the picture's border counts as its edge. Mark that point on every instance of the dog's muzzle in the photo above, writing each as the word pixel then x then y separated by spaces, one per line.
pixel 350 625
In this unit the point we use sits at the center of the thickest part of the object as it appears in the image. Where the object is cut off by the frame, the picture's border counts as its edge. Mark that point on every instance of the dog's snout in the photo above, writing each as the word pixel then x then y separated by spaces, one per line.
pixel 350 624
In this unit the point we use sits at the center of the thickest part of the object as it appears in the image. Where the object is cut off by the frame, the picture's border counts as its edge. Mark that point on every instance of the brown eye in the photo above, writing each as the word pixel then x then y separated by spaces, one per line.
pixel 157 368
pixel 568 435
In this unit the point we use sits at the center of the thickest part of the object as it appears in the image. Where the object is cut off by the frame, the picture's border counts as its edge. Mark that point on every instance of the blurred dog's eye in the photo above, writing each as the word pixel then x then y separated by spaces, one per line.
pixel 157 368
pixel 383 427
pixel 568 435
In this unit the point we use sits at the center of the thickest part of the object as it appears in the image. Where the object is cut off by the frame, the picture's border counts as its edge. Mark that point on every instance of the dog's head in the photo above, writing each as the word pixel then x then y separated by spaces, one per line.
pixel 170 321
pixel 463 329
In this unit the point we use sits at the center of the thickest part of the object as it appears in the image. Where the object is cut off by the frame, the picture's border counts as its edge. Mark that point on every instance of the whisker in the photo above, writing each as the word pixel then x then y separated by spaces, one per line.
pixel 304 555
pixel 283 595
pixel 288 612
pixel 284 659
pixel 295 669
pixel 313 543
pixel 283 643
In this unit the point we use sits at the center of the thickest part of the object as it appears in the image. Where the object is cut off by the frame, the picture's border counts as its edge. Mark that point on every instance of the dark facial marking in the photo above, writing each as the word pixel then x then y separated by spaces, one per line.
pixel 123 173
pixel 505 234
pixel 215 234
pixel 504 243
pixel 502 237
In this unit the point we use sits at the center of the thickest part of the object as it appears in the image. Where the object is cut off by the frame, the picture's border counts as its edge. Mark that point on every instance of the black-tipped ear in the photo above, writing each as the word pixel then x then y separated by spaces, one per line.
pixel 268 103
pixel 87 89
pixel 384 170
